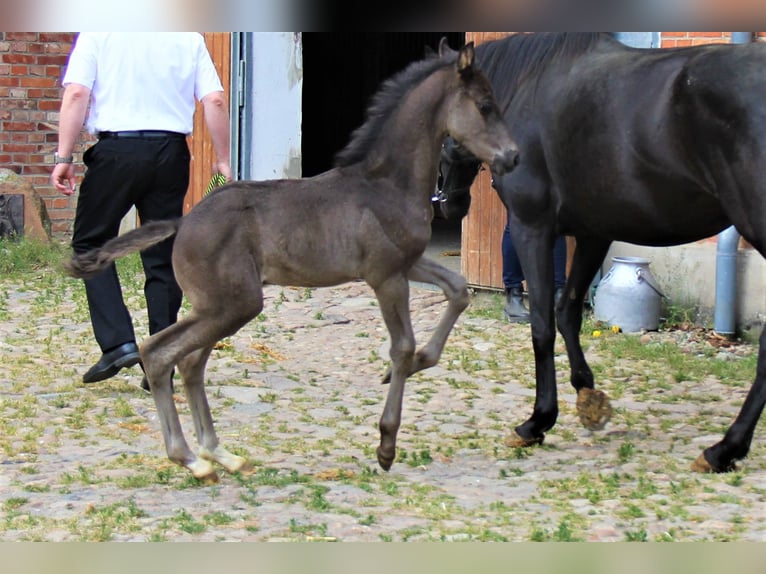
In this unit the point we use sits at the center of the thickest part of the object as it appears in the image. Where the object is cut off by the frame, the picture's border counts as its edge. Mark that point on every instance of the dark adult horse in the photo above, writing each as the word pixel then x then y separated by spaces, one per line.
pixel 652 147
pixel 368 218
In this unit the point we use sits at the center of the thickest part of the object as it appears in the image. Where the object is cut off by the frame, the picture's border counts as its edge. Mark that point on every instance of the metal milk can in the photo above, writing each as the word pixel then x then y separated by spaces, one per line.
pixel 628 296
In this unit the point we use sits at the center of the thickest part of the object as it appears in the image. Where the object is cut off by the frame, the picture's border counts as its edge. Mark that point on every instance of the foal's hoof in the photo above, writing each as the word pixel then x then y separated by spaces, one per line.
pixel 703 466
pixel 518 441
pixel 203 471
pixel 385 460
pixel 246 469
pixel 593 408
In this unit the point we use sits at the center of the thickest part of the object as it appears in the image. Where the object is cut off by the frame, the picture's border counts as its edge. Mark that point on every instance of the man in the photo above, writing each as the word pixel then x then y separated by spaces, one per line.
pixel 142 89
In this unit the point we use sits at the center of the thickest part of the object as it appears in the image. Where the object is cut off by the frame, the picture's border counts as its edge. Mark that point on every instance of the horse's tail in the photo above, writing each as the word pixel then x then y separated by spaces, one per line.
pixel 86 265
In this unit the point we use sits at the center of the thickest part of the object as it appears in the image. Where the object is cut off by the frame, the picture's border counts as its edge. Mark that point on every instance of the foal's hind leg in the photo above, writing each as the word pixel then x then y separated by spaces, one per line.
pixel 159 354
pixel 192 369
pixel 455 288
pixel 169 347
pixel 393 297
pixel 593 407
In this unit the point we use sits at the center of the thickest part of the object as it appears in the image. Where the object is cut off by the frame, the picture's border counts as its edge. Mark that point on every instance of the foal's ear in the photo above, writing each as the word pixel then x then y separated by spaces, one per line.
pixel 465 60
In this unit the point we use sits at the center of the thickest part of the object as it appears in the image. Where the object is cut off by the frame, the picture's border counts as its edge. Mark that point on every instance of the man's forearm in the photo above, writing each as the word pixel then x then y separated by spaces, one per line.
pixel 74 106
pixel 217 121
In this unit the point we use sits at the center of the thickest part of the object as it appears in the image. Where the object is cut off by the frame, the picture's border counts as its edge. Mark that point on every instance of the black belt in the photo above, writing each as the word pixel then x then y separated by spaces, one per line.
pixel 140 134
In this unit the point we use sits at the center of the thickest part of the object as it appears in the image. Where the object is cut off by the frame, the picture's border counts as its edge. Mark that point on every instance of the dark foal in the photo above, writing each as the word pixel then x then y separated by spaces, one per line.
pixel 368 218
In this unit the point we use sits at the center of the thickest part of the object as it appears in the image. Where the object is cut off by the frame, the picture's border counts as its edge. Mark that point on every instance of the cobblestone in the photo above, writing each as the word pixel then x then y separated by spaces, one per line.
pixel 299 392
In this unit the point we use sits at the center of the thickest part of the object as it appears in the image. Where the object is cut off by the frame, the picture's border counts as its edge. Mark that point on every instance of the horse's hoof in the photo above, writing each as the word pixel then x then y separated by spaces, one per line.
pixel 384 460
pixel 518 441
pixel 593 408
pixel 703 466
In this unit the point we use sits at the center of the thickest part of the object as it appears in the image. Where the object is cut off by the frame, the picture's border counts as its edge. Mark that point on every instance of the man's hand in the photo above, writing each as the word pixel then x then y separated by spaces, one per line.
pixel 62 178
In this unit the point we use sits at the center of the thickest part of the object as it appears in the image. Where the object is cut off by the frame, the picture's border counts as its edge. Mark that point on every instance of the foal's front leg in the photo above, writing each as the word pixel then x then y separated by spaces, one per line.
pixel 393 297
pixel 455 289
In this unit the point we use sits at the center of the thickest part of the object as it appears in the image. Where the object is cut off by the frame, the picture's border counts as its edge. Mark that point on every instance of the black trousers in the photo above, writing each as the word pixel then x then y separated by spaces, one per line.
pixel 152 174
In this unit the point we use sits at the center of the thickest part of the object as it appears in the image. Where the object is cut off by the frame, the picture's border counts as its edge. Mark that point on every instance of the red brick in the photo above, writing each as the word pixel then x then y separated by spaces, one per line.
pixel 49 105
pixel 53 60
pixel 19 148
pixel 38 169
pixel 37 82
pixel 66 38
pixel 18 126
pixel 18 58
pixel 21 36
pixel 60 203
pixel 57 48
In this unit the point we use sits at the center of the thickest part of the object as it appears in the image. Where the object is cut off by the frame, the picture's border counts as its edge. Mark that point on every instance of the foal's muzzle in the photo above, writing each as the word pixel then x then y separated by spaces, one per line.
pixel 506 162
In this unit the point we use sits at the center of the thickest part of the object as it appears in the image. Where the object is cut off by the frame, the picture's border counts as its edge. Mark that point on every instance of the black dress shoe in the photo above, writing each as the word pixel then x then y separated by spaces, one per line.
pixel 110 363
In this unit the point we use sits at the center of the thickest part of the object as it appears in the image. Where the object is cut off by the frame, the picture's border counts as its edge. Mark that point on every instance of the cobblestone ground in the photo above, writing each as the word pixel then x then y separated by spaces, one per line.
pixel 298 392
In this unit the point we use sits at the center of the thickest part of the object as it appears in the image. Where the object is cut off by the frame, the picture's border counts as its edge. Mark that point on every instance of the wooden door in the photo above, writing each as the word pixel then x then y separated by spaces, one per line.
pixel 200 143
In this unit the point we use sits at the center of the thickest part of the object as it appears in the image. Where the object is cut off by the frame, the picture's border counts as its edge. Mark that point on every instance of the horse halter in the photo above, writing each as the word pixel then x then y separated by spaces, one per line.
pixel 452 153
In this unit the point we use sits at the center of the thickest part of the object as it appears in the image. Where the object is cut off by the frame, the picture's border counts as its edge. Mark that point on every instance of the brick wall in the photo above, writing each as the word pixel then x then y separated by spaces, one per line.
pixel 31 67
pixel 678 39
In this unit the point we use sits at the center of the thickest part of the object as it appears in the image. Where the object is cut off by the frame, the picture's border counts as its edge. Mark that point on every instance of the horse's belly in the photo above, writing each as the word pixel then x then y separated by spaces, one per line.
pixel 648 223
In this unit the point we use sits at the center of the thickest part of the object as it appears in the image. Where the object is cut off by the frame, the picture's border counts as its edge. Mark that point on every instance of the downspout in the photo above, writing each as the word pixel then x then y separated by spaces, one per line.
pixel 726 257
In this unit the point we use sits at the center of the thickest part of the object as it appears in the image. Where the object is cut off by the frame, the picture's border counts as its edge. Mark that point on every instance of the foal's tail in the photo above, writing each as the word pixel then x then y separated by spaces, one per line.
pixel 88 264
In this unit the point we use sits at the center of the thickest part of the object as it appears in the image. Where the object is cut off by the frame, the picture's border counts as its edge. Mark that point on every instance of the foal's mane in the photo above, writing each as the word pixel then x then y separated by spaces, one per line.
pixel 388 98
pixel 509 61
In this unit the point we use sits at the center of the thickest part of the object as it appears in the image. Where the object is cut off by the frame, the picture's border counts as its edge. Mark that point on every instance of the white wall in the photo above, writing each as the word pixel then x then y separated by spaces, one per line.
pixel 276 70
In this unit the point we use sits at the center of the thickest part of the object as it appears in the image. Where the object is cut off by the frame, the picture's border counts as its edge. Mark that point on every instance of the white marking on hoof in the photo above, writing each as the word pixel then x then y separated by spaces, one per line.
pixel 231 462
pixel 202 470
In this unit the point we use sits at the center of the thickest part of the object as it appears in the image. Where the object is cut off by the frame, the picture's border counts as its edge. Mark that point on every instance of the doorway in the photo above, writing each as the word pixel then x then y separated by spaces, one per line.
pixel 341 72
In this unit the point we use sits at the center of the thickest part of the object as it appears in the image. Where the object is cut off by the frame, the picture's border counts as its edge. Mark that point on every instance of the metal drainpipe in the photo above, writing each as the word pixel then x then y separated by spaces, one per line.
pixel 725 321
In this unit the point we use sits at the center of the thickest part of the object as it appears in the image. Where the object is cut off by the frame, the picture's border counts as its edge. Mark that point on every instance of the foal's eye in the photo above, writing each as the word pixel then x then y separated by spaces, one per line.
pixel 485 108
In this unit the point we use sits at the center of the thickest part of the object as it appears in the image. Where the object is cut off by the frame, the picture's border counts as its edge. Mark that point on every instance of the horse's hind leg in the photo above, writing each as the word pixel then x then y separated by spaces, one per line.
pixel 593 407
pixel 192 369
pixel 393 297
pixel 736 442
pixel 455 288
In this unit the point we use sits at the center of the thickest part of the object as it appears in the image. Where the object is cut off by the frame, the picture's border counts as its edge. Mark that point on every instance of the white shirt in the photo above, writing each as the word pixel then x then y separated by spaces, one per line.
pixel 142 81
